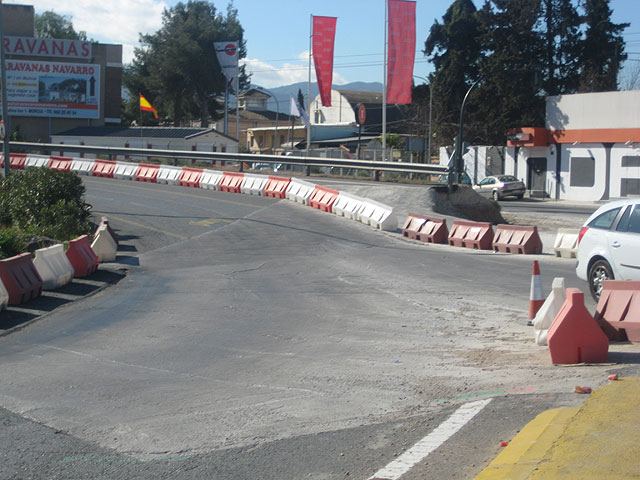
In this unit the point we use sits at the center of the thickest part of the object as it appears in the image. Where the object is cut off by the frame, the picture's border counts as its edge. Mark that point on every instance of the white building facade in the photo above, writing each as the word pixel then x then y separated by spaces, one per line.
pixel 589 149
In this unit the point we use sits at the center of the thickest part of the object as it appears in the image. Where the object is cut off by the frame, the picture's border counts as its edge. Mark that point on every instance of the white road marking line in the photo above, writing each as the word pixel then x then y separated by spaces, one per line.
pixel 428 444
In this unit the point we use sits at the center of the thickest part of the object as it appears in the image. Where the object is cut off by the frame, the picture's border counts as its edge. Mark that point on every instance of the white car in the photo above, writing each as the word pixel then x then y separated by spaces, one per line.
pixel 609 245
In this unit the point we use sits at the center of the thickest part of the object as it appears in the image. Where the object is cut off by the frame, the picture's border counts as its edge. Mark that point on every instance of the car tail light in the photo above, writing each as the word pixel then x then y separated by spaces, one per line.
pixel 500 184
pixel 583 230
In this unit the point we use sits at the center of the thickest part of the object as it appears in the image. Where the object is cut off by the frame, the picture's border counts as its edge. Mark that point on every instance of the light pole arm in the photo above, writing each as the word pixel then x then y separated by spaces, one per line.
pixel 459 169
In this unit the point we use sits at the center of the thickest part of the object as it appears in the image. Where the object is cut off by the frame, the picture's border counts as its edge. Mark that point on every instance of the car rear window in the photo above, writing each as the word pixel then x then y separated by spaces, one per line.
pixel 508 178
pixel 634 221
pixel 605 220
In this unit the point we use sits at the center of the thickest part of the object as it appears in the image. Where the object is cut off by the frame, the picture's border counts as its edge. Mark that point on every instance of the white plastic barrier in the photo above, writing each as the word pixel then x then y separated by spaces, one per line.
pixel 566 244
pixel 253 184
pixel 549 310
pixel 37 161
pixel 169 174
pixel 125 170
pixel 378 215
pixel 348 205
pixel 210 179
pixel 104 245
pixel 82 166
pixel 299 191
pixel 53 266
pixel 4 296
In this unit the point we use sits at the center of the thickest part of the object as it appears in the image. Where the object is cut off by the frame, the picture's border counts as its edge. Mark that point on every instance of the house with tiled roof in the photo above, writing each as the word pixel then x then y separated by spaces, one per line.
pixel 255 114
pixel 159 138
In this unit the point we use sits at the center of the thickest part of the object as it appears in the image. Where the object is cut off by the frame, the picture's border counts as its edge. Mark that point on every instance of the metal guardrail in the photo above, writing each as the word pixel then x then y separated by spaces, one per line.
pixel 236 157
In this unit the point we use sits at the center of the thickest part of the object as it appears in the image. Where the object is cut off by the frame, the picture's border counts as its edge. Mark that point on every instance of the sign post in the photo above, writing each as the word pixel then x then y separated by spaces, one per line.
pixel 362 117
pixel 5 108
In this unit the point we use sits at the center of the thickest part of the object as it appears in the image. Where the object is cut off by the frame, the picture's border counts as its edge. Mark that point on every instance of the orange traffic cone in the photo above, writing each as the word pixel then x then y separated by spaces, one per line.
pixel 536 299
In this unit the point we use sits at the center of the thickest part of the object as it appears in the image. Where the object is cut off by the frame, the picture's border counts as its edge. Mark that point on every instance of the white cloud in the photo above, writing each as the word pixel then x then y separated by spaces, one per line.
pixel 121 22
pixel 112 21
pixel 270 76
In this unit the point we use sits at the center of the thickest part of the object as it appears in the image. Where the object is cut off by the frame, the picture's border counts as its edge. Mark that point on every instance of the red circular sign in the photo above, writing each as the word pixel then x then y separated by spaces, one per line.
pixel 362 114
pixel 230 49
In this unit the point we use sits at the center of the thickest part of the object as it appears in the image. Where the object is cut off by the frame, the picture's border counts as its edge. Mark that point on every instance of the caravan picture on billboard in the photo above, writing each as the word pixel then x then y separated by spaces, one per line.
pixel 53 89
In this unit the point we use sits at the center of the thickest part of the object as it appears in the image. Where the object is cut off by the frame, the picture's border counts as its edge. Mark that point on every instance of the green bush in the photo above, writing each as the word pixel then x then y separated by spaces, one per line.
pixel 44 202
pixel 11 242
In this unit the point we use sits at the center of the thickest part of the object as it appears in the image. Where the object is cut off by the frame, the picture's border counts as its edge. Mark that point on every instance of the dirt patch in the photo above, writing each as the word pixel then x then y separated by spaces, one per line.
pixel 464 202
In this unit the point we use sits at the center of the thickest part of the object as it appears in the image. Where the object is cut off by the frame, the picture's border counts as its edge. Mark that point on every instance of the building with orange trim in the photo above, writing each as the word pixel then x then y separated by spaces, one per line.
pixel 588 150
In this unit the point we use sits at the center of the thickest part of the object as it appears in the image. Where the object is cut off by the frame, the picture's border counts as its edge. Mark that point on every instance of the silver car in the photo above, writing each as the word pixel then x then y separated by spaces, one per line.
pixel 499 186
pixel 609 245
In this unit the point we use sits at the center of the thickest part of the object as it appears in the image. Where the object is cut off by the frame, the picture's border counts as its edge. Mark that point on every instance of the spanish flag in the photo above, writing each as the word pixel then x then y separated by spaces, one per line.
pixel 147 107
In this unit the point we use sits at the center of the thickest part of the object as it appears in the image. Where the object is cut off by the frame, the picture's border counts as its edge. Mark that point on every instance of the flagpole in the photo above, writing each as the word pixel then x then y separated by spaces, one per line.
pixel 309 91
pixel 226 107
pixel 384 87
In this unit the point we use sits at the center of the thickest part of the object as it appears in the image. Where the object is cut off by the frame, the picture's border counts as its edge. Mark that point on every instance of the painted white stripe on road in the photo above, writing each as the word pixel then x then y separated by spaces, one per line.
pixel 428 444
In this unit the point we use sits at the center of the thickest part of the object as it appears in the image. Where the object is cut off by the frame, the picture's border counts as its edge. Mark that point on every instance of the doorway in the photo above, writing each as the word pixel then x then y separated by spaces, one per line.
pixel 537 176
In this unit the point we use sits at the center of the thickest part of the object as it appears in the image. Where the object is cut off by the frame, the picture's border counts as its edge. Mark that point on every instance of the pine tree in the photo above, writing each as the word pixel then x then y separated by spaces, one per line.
pixel 562 38
pixel 453 45
pixel 509 94
pixel 603 48
pixel 178 65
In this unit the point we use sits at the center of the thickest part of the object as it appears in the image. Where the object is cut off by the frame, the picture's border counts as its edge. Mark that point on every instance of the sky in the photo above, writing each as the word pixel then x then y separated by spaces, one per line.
pixel 277 32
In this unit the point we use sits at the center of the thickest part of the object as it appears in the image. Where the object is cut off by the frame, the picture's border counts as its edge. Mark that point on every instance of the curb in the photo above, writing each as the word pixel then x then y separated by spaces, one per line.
pixel 600 437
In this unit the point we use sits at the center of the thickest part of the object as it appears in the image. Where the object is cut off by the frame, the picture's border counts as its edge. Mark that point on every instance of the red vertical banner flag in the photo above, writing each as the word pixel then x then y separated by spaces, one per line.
pixel 324 34
pixel 401 50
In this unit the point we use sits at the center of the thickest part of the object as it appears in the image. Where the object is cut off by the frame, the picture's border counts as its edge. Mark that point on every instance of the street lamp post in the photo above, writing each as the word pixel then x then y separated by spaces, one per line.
pixel 458 168
pixel 430 105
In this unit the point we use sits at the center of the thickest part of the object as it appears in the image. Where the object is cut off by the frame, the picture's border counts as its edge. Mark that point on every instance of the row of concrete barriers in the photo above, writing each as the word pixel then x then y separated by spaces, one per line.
pixel 480 235
pixel 360 209
pixel 23 277
pixel 474 235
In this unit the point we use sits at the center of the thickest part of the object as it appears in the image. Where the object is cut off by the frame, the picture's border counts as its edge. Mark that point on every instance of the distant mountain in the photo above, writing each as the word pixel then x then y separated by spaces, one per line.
pixel 284 93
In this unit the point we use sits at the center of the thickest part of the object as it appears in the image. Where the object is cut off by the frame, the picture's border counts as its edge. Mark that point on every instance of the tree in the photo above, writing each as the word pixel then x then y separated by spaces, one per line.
pixel 510 88
pixel 562 45
pixel 52 25
pixel 300 99
pixel 178 67
pixel 455 51
pixel 602 50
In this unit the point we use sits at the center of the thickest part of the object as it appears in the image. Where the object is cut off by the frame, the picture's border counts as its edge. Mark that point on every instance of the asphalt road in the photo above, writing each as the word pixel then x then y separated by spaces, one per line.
pixel 257 338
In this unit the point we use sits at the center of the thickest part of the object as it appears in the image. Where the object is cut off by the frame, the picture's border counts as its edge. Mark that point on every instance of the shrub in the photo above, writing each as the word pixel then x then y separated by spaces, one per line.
pixel 44 202
pixel 11 242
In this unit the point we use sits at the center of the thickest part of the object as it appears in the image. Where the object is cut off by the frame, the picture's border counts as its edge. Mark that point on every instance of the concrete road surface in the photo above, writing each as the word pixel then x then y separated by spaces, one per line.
pixel 256 338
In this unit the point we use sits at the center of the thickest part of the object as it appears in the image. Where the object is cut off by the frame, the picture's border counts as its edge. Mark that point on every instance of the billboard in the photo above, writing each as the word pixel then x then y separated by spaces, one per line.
pixel 53 89
pixel 47 47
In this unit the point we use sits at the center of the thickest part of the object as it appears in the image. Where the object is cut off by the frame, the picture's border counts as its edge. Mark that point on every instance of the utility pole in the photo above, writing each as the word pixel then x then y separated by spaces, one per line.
pixel 5 106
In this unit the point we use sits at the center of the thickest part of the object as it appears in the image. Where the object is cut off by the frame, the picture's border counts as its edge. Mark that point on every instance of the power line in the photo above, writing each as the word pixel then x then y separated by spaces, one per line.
pixel 337 66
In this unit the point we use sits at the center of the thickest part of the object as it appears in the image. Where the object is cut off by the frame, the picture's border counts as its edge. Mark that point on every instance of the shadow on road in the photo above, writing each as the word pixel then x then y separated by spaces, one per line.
pixel 18 315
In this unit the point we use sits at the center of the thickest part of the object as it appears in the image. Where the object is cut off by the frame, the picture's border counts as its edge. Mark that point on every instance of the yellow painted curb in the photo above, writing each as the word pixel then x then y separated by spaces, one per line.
pixel 603 440
pixel 597 441
pixel 523 454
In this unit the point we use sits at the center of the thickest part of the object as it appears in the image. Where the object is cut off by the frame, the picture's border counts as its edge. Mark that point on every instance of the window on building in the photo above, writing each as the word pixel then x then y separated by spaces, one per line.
pixel 631 161
pixel 583 171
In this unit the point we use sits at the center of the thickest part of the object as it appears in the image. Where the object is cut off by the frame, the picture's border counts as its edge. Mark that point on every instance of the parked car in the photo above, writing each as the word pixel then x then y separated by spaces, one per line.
pixel 444 178
pixel 500 186
pixel 609 245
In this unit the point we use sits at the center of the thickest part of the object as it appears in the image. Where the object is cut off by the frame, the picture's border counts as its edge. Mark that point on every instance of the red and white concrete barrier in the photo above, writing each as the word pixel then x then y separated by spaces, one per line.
pixel 348 205
pixel 299 191
pixel 210 179
pixel 253 184
pixel 378 215
pixel 53 266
